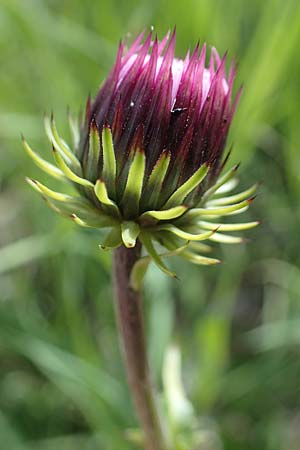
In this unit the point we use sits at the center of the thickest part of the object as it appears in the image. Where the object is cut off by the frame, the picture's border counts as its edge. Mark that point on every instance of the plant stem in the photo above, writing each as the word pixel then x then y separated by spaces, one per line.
pixel 131 329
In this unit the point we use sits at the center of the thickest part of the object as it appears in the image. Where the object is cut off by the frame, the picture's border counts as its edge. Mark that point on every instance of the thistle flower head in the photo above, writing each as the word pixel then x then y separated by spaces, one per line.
pixel 147 159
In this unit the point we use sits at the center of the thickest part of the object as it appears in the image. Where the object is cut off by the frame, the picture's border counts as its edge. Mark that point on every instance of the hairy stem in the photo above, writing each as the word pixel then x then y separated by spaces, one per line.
pixel 132 334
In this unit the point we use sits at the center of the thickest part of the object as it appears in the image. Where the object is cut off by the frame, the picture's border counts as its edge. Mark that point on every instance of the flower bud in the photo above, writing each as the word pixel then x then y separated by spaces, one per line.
pixel 147 159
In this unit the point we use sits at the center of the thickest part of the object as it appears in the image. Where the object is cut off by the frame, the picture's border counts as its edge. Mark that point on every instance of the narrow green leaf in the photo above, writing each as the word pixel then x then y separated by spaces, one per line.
pixel 79 221
pixel 220 182
pixel 221 211
pixel 70 203
pixel 47 167
pixel 169 240
pixel 109 161
pixel 166 214
pixel 138 273
pixel 82 209
pixel 199 247
pixel 156 179
pixel 130 231
pixel 226 187
pixel 44 190
pixel 171 244
pixel 113 239
pixel 134 184
pixel 233 198
pixel 75 130
pixel 234 213
pixel 187 236
pixel 102 195
pixel 182 192
pixel 139 269
pixel 59 144
pixel 93 153
pixel 228 226
pixel 226 239
pixel 199 259
pixel 101 222
pixel 147 242
pixel 68 172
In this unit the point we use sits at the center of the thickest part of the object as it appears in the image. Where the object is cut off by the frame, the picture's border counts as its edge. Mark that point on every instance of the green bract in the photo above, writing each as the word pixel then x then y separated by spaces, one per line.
pixel 174 228
pixel 146 161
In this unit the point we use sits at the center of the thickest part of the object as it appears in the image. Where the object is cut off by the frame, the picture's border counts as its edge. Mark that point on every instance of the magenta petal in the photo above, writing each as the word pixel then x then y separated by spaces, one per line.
pixel 152 98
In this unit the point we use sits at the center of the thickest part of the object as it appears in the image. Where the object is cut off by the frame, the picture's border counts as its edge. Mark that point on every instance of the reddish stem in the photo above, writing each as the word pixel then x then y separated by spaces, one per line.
pixel 131 329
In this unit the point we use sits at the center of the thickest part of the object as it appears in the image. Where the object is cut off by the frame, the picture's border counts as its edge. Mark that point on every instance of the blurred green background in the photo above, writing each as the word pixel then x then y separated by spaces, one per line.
pixel 62 384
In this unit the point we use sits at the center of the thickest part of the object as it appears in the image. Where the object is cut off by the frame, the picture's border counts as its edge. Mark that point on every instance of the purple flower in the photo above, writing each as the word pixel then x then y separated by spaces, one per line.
pixel 161 104
pixel 147 160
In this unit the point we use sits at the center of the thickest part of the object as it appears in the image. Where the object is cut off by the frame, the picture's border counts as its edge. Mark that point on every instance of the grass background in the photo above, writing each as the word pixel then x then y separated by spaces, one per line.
pixel 62 385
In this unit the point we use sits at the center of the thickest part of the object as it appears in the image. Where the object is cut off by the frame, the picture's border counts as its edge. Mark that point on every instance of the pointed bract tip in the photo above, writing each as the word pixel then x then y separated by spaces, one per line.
pixel 106 126
pixel 172 39
pixel 31 180
pixel 208 164
pixel 100 180
pixel 226 159
pixel 165 153
pixel 251 199
pixel 245 241
pixel 93 126
pixel 256 223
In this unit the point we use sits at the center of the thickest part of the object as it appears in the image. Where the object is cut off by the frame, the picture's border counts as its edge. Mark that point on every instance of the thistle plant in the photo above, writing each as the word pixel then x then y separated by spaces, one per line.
pixel 147 164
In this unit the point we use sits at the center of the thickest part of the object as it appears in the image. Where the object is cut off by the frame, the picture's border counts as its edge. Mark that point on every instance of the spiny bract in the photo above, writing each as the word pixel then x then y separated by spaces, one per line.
pixel 147 159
